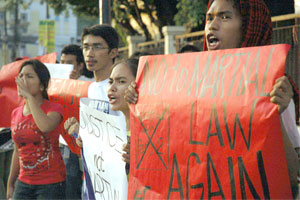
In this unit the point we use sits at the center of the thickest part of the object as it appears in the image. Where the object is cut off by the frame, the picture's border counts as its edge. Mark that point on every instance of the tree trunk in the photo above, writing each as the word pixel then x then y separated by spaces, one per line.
pixel 47 10
pixel 125 24
pixel 153 20
pixel 16 37
pixel 104 12
pixel 4 39
pixel 141 23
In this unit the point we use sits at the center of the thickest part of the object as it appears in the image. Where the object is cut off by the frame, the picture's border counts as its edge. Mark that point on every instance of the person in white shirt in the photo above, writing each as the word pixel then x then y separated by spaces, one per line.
pixel 100 49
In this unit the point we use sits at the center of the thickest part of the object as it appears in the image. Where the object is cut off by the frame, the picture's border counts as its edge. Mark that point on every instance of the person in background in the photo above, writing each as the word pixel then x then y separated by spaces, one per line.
pixel 188 48
pixel 72 54
pixel 138 54
pixel 243 23
pixel 6 151
pixel 37 167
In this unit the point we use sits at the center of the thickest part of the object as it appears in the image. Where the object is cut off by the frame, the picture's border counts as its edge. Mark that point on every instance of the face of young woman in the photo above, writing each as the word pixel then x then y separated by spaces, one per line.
pixel 120 78
pixel 223 29
pixel 31 80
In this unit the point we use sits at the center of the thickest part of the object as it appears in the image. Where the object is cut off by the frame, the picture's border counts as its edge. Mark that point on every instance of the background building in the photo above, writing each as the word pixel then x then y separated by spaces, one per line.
pixel 24 40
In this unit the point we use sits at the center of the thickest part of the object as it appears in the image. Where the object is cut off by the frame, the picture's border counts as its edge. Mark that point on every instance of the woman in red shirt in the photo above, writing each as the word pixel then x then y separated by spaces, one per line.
pixel 37 168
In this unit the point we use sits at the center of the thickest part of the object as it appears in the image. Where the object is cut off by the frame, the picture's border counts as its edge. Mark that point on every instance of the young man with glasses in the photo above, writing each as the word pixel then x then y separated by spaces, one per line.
pixel 100 48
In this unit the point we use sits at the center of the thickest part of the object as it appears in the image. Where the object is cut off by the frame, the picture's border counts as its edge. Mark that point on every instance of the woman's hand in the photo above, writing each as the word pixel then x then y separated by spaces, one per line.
pixel 79 141
pixel 23 90
pixel 282 93
pixel 131 95
pixel 126 149
pixel 71 125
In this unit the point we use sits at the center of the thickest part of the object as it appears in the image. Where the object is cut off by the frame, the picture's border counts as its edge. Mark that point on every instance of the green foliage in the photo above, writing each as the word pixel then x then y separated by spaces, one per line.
pixel 122 34
pixel 58 5
pixel 120 12
pixel 8 5
pixel 88 7
pixel 191 13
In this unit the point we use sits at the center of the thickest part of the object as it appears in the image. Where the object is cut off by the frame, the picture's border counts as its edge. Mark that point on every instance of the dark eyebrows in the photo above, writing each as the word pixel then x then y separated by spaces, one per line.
pixel 98 43
pixel 225 12
pixel 27 74
pixel 118 78
pixel 121 77
pixel 220 13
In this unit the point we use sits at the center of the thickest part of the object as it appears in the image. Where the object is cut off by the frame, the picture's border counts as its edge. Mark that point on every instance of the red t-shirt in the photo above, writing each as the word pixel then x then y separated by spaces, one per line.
pixel 39 155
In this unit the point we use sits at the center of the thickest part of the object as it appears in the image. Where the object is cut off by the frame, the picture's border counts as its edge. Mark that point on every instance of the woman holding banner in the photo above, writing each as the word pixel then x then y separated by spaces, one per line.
pixel 122 75
pixel 37 168
pixel 244 23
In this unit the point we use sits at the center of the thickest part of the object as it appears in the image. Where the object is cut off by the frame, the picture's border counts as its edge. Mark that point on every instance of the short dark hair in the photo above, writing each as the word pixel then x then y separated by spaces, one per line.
pixel 108 33
pixel 42 71
pixel 138 54
pixel 236 4
pixel 189 48
pixel 132 63
pixel 73 49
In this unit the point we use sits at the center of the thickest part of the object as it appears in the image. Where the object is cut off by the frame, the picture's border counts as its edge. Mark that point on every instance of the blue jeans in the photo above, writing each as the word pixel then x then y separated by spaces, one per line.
pixel 48 191
pixel 74 174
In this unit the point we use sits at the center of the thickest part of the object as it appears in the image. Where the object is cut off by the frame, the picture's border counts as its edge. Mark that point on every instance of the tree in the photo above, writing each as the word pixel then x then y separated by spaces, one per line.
pixel 130 15
pixel 13 6
pixel 160 13
pixel 191 14
pixel 89 7
pixel 280 7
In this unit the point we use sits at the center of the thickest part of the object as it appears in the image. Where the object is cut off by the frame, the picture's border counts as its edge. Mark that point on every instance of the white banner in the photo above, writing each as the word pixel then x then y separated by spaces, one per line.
pixel 103 137
pixel 59 70
pixel 297 6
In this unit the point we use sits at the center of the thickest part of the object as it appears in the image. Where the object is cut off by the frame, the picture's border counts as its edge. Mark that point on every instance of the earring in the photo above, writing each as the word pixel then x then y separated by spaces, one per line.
pixel 42 88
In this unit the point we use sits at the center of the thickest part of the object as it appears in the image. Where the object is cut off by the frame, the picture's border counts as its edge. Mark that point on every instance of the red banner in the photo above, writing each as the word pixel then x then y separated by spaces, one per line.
pixel 204 126
pixel 65 92
pixel 68 92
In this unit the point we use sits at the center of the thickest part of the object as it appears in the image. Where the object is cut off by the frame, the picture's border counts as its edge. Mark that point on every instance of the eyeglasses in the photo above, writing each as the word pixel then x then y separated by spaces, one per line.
pixel 94 47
